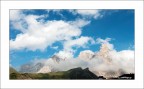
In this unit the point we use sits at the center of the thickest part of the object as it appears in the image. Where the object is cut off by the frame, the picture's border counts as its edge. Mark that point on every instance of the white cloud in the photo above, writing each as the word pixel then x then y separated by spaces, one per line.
pixel 105 41
pixel 65 54
pixel 55 47
pixel 87 13
pixel 40 35
pixel 15 15
pixel 28 41
pixel 79 42
pixel 86 55
pixel 80 23
pixel 68 51
pixel 123 60
pixel 16 20
pixel 99 40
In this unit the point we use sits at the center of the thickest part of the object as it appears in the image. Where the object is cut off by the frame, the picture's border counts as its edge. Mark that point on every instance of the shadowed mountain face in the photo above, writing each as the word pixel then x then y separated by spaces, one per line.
pixel 79 73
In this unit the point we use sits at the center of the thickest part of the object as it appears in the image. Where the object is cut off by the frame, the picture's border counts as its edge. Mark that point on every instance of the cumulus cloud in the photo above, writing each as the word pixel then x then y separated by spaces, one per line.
pixel 40 35
pixel 16 20
pixel 80 22
pixel 79 42
pixel 65 54
pixel 69 51
pixel 86 55
pixel 15 15
pixel 87 13
pixel 105 41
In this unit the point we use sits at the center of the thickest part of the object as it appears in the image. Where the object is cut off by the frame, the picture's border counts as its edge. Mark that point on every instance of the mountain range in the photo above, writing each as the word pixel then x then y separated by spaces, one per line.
pixel 75 73
pixel 102 58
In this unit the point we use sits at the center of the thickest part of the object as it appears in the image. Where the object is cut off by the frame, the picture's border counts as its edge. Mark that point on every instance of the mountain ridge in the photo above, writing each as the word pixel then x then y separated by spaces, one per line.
pixel 75 73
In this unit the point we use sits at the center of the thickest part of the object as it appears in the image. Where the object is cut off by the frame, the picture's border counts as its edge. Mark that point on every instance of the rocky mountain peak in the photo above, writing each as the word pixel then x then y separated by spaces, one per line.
pixel 44 69
pixel 86 55
pixel 104 53
pixel 57 59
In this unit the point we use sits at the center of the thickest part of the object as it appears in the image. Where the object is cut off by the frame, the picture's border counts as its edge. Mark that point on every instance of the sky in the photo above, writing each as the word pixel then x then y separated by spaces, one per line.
pixel 40 34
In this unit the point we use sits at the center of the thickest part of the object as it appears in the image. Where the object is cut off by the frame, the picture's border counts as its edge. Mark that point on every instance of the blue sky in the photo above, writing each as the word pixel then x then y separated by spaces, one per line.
pixel 36 25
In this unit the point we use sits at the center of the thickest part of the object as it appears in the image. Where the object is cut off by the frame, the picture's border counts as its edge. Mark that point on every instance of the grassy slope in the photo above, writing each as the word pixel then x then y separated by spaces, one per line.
pixel 52 75
pixel 76 73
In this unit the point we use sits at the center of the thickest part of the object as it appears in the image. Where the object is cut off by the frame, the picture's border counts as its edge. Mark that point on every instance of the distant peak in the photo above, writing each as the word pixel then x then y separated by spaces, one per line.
pixel 57 59
pixel 104 53
pixel 86 55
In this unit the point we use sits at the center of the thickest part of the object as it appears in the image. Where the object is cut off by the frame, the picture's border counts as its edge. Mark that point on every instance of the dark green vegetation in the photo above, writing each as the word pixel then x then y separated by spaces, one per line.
pixel 76 73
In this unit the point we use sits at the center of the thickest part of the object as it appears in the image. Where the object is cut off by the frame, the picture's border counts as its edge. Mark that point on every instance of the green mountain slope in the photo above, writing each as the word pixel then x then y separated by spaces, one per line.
pixel 76 73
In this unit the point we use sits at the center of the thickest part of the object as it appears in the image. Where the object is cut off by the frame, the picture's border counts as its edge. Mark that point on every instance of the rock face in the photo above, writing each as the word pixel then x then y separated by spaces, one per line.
pixel 44 69
pixel 86 55
pixel 57 59
pixel 104 54
pixel 31 68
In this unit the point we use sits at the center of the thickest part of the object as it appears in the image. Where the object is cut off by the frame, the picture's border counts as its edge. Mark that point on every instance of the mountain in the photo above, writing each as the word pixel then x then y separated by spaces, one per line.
pixel 75 73
pixel 57 58
pixel 31 68
pixel 44 69
pixel 104 54
pixel 12 70
pixel 79 73
pixel 100 63
pixel 16 75
pixel 86 55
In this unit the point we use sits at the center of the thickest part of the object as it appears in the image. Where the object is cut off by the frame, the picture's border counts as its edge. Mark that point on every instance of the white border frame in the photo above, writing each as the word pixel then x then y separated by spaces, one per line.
pixel 6 5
